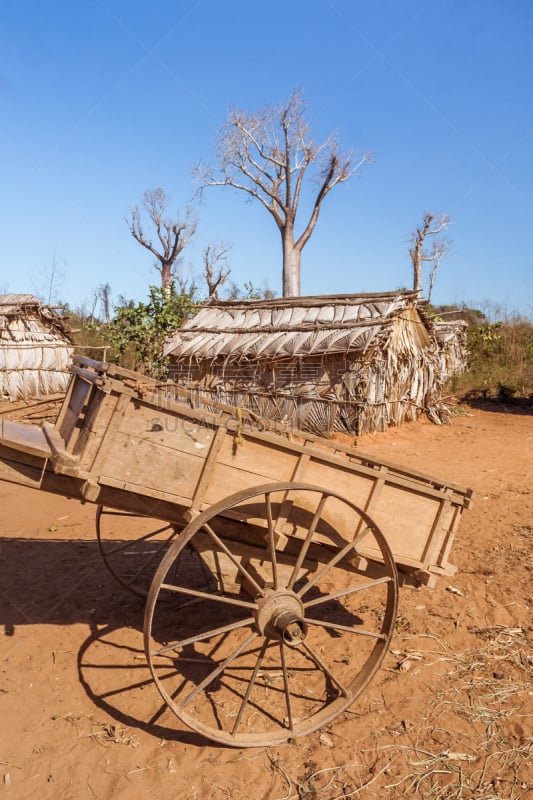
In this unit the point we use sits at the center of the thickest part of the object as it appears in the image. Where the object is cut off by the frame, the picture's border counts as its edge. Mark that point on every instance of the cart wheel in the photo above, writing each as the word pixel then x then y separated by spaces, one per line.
pixel 295 621
pixel 132 546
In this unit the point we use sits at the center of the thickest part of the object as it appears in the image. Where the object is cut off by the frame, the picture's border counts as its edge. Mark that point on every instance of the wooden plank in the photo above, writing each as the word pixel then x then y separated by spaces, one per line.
pixel 88 375
pixel 298 475
pixel 64 406
pixel 325 457
pixel 345 480
pixel 169 430
pixel 227 480
pixel 100 367
pixel 27 470
pixel 74 403
pixel 206 474
pixel 94 426
pixel 26 438
pixel 112 409
pixel 145 464
pixel 451 530
pixel 267 460
pixel 435 535
pixel 60 456
pixel 20 473
pixel 376 491
pixel 176 504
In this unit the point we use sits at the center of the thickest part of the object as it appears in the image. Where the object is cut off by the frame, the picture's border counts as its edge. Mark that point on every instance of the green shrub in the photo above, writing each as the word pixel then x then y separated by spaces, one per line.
pixel 137 333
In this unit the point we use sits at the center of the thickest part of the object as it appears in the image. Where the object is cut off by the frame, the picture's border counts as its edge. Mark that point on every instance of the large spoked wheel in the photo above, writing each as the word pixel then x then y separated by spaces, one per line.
pixel 285 627
pixel 132 546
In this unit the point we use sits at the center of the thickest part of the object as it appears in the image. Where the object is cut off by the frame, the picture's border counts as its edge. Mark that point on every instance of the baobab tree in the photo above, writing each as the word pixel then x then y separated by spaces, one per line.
pixel 432 225
pixel 173 233
pixel 267 154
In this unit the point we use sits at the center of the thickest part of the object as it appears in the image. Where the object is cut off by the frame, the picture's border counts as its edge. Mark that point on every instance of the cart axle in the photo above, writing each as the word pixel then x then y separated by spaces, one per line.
pixel 280 616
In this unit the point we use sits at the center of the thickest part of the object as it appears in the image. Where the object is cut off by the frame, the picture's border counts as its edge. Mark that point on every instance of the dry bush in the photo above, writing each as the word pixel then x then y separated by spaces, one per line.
pixel 500 363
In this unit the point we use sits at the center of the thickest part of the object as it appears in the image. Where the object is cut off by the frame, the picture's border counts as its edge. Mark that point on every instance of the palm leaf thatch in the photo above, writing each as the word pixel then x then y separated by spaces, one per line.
pixel 35 350
pixel 355 363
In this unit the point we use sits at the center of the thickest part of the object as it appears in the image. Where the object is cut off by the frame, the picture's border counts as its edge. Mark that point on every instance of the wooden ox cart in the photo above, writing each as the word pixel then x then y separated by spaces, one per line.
pixel 279 554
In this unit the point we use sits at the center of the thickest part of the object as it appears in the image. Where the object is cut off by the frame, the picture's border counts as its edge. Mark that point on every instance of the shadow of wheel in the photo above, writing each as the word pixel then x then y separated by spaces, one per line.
pixel 132 546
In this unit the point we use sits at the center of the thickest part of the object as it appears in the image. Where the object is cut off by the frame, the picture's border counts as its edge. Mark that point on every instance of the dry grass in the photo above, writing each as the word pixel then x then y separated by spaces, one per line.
pixel 103 733
pixel 489 689
pixel 475 745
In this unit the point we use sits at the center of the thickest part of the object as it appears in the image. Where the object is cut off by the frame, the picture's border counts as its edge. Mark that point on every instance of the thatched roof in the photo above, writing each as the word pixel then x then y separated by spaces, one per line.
pixel 450 331
pixel 17 306
pixel 289 327
pixel 35 349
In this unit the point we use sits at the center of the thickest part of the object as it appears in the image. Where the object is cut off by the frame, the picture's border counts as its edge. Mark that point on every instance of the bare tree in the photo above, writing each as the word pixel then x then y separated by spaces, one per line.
pixel 216 269
pixel 267 154
pixel 173 233
pixel 51 280
pixel 432 225
pixel 186 283
pixel 103 296
pixel 441 247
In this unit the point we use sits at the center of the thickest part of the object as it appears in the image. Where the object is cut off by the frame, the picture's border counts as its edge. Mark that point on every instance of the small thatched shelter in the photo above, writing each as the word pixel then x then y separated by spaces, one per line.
pixel 35 350
pixel 452 341
pixel 356 363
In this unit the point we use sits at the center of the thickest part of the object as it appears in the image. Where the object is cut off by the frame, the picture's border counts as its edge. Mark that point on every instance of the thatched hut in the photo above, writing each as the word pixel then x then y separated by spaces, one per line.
pixel 35 350
pixel 356 363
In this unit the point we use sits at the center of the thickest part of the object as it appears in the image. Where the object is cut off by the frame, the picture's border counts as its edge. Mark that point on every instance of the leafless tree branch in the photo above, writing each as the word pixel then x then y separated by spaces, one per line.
pixel 267 155
pixel 432 225
pixel 216 269
pixel 173 233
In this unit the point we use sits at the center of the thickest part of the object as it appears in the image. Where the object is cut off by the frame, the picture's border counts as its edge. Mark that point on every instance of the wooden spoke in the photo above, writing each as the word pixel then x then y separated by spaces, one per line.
pixel 327 568
pixel 271 539
pixel 349 629
pixel 202 637
pixel 308 539
pixel 226 550
pixel 286 685
pixel 250 686
pixel 344 592
pixel 218 670
pixel 217 598
pixel 326 670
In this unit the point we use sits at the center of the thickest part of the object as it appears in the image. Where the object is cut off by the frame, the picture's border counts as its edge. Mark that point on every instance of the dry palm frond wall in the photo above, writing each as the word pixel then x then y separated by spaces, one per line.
pixel 35 351
pixel 357 363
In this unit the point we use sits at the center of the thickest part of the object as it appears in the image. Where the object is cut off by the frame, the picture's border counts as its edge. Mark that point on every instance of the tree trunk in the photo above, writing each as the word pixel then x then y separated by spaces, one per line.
pixel 291 268
pixel 417 275
pixel 166 277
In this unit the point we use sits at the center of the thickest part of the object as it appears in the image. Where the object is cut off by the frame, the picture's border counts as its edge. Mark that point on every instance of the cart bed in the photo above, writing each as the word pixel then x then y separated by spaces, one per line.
pixel 133 444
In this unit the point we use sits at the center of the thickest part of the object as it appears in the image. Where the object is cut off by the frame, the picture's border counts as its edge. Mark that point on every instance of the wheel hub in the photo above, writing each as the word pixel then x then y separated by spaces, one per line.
pixel 280 615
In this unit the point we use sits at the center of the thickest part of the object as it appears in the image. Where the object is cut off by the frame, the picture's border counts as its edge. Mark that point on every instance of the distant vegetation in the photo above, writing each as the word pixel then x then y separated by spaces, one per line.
pixel 500 360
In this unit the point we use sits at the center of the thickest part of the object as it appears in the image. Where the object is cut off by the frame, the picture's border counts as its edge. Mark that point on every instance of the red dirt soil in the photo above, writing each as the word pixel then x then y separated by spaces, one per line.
pixel 449 714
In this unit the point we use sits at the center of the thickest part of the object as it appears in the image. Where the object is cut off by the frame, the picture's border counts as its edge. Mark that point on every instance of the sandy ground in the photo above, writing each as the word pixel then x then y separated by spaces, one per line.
pixel 449 715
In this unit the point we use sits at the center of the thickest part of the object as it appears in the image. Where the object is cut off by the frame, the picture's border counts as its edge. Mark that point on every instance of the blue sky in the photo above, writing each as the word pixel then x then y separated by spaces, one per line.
pixel 101 100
